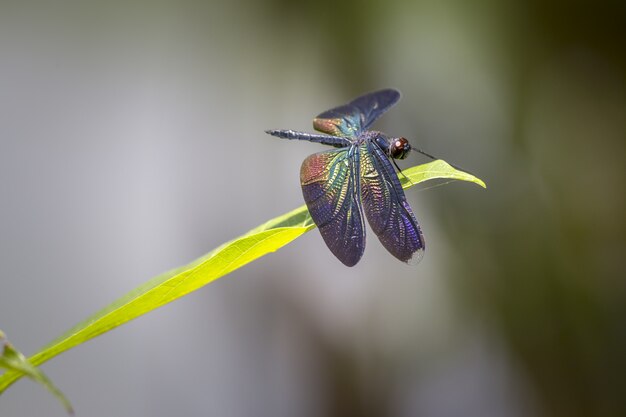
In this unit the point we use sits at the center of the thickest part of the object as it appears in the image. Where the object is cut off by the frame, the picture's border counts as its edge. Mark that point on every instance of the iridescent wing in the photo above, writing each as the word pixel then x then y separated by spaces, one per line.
pixel 330 185
pixel 351 119
pixel 386 208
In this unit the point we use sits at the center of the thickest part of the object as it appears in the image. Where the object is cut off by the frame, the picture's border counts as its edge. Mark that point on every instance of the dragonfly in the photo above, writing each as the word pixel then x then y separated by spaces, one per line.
pixel 357 180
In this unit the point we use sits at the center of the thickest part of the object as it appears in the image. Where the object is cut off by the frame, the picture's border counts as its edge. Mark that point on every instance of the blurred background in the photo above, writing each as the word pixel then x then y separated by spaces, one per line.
pixel 132 141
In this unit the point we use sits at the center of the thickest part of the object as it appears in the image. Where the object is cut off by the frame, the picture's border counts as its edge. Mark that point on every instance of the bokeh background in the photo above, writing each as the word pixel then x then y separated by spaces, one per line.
pixel 132 142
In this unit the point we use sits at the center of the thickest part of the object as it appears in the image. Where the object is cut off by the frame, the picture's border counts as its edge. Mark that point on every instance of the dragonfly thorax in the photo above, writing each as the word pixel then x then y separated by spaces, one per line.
pixel 396 148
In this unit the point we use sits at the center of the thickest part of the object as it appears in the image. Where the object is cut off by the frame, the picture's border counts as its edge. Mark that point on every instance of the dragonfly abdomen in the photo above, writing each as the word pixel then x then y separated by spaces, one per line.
pixel 336 141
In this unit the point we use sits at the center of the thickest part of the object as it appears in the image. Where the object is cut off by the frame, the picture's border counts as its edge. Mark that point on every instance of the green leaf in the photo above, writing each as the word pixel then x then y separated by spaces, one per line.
pixel 230 256
pixel 13 360
pixel 436 169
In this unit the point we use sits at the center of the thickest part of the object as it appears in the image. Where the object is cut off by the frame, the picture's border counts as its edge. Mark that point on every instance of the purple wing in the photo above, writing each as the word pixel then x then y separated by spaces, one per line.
pixel 351 119
pixel 330 185
pixel 386 208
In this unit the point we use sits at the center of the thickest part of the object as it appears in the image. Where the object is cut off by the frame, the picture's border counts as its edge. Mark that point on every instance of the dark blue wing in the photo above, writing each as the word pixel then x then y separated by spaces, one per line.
pixel 330 185
pixel 386 208
pixel 351 119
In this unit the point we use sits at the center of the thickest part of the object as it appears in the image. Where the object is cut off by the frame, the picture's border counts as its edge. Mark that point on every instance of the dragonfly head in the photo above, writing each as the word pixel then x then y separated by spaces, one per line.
pixel 399 148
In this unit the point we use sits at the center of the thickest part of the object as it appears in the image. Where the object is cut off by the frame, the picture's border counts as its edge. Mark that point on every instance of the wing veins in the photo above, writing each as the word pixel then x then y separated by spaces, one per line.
pixel 387 210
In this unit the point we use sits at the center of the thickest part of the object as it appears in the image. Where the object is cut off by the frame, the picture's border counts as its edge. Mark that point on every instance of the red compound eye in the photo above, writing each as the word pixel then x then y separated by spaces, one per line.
pixel 399 148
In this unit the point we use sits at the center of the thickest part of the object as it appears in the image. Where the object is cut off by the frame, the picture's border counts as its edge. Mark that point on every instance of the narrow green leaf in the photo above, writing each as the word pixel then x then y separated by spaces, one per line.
pixel 13 360
pixel 436 169
pixel 230 256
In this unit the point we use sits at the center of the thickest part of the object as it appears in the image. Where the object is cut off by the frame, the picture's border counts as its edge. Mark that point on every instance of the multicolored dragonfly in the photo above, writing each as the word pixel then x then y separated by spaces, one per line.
pixel 340 185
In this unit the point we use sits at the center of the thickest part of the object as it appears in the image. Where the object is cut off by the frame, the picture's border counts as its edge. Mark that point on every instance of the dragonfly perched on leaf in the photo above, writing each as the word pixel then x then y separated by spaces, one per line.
pixel 357 178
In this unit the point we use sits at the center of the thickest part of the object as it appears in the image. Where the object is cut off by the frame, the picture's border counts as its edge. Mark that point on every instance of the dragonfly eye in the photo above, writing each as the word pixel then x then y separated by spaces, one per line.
pixel 399 148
